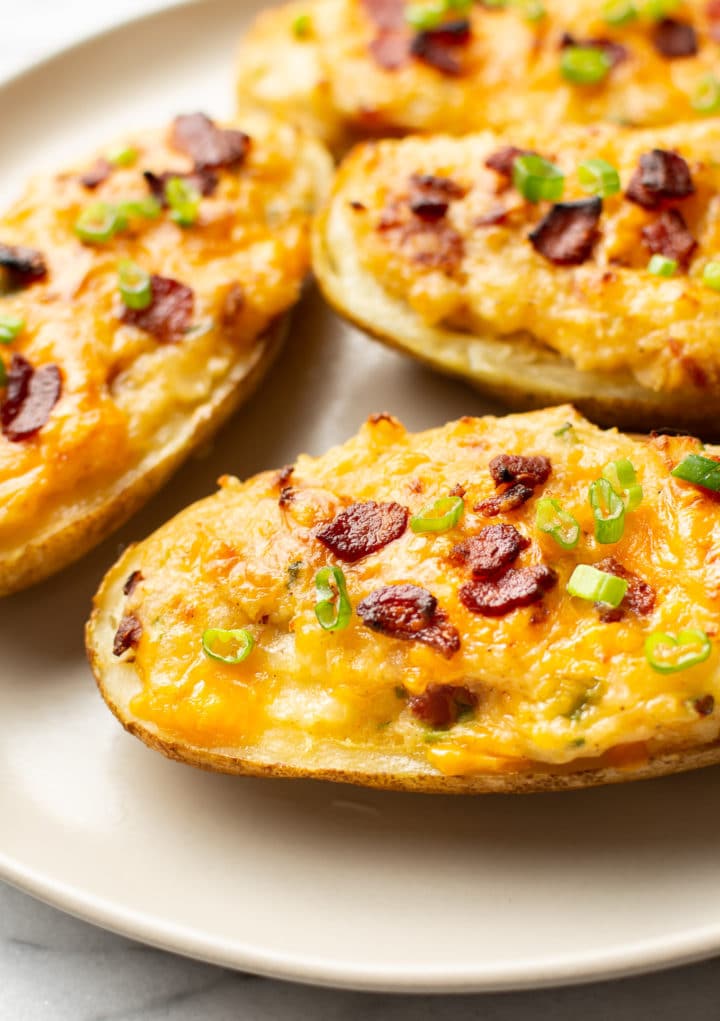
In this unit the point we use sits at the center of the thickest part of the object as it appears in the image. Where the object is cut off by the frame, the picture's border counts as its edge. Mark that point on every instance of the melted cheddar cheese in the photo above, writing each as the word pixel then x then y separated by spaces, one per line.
pixel 123 391
pixel 554 683
pixel 607 314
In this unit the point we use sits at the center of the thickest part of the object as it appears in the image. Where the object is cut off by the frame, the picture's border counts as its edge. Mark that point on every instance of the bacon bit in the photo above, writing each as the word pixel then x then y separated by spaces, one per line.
pixel 435 46
pixel 517 587
pixel 97 173
pixel 358 207
pixel 391 49
pixel 30 397
pixel 502 161
pixel 132 582
pixel 382 416
pixel 669 235
pixel 287 495
pixel 705 705
pixel 362 529
pixel 202 180
pixel 713 15
pixel 127 635
pixel 430 196
pixel 169 314
pixel 209 146
pixel 532 470
pixel 440 705
pixel 457 490
pixel 490 552
pixel 386 14
pixel 673 38
pixel 23 265
pixel 434 245
pixel 639 599
pixel 614 51
pixel 513 497
pixel 412 614
pixel 283 476
pixel 662 176
pixel 567 234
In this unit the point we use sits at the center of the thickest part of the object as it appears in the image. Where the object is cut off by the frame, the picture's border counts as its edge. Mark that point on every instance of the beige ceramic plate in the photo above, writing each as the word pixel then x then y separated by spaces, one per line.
pixel 307 881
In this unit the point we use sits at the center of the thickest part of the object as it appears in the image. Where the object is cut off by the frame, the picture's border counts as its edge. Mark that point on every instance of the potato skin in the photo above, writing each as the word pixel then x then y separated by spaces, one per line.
pixel 334 754
pixel 511 306
pixel 133 406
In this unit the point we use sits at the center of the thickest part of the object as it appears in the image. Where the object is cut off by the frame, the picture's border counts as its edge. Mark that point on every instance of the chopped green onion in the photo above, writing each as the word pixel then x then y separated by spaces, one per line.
pixel 123 157
pixel 558 523
pixel 599 178
pixel 567 432
pixel 333 609
pixel 239 643
pixel 587 582
pixel 134 284
pixel 619 12
pixel 536 178
pixel 425 16
pixel 659 9
pixel 662 266
pixel 608 510
pixel 711 275
pixel 440 516
pixel 701 471
pixel 183 200
pixel 584 65
pixel 99 222
pixel 622 477
pixel 147 207
pixel 10 326
pixel 302 26
pixel 532 10
pixel 706 97
pixel 3 373
pixel 667 654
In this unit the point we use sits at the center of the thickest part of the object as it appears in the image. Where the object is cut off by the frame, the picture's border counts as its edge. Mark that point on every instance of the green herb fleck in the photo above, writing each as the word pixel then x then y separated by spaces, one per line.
pixel 293 572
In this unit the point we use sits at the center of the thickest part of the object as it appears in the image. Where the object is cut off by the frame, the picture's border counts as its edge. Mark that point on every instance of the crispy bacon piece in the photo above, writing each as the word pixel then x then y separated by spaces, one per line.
pixel 639 598
pixel 712 12
pixel 705 705
pixel 490 552
pixel 502 160
pixel 519 586
pixel 669 236
pixel 533 470
pixel 412 614
pixel 209 146
pixel 30 397
pixel 437 47
pixel 362 529
pixel 430 196
pixel 283 477
pixel 127 635
pixel 204 181
pixel 23 265
pixel 97 173
pixel 673 38
pixel 131 582
pixel 661 177
pixel 514 496
pixel 169 314
pixel 614 51
pixel 390 48
pixel 387 14
pixel 432 244
pixel 440 705
pixel 567 234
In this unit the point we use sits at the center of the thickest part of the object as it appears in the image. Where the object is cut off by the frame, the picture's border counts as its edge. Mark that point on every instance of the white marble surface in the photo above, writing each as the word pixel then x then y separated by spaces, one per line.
pixel 55 968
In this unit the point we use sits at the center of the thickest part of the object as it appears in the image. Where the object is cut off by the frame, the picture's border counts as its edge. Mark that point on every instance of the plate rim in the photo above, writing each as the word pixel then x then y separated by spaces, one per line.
pixel 625 960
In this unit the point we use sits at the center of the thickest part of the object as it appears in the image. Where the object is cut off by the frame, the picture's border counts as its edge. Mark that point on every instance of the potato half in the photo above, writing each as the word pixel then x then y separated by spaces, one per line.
pixel 448 655
pixel 103 391
pixel 427 247
pixel 350 69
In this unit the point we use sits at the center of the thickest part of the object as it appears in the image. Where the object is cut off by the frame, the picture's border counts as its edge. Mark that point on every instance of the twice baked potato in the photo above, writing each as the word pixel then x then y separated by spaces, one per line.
pixel 501 604
pixel 356 68
pixel 142 297
pixel 446 249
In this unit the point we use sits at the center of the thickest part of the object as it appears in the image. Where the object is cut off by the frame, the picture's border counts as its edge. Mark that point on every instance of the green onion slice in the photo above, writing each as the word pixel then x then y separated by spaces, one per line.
pixel 608 510
pixel 123 157
pixel 99 222
pixel 584 65
pixel 587 582
pixel 440 516
pixel 147 207
pixel 237 643
pixel 711 275
pixel 567 432
pixel 706 97
pixel 3 373
pixel 619 12
pixel 659 9
pixel 622 477
pixel 183 200
pixel 667 654
pixel 425 16
pixel 662 266
pixel 599 177
pixel 701 471
pixel 558 523
pixel 536 178
pixel 302 26
pixel 532 10
pixel 134 284
pixel 333 609
pixel 10 327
